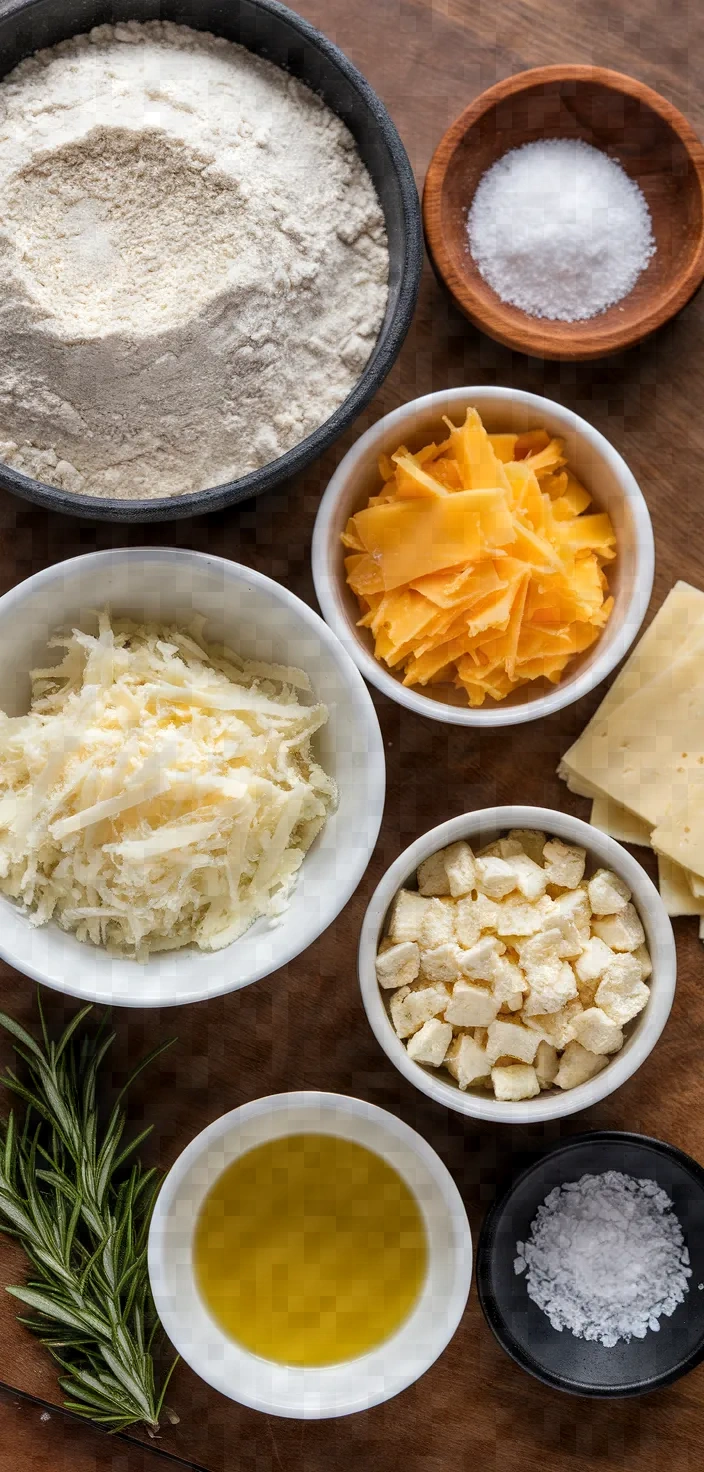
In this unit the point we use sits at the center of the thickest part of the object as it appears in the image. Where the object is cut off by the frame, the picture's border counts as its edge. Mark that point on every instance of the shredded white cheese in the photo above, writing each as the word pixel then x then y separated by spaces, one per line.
pixel 159 793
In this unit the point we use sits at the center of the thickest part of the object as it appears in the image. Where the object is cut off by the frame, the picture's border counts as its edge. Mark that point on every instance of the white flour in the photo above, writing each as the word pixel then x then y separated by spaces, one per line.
pixel 193 264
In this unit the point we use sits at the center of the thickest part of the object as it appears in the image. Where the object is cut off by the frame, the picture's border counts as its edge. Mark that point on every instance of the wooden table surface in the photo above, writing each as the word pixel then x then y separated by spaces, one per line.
pixel 305 1027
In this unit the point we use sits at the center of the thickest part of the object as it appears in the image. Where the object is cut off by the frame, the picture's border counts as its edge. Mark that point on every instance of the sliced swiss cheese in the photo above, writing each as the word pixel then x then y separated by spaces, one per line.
pixel 675 890
pixel 678 622
pixel 618 822
pixel 680 836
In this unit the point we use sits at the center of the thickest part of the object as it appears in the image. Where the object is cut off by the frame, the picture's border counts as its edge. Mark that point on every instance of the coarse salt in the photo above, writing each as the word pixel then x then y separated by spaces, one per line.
pixel 559 229
pixel 606 1257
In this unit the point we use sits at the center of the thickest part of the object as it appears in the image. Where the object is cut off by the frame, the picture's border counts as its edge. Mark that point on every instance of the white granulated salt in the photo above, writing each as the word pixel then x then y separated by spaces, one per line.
pixel 193 262
pixel 606 1257
pixel 558 229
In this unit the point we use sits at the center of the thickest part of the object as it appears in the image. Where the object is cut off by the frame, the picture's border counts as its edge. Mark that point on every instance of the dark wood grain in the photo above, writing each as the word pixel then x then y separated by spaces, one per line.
pixel 39 1437
pixel 620 116
pixel 305 1027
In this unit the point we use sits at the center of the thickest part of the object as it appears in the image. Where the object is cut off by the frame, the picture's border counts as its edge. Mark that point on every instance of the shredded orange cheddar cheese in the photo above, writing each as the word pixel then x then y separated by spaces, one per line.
pixel 477 563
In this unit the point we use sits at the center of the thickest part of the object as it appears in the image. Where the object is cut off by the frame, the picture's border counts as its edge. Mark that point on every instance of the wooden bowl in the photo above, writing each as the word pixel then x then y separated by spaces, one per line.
pixel 647 135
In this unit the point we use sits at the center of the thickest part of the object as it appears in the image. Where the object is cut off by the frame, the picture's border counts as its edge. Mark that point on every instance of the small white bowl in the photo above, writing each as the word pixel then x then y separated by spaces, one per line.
pixel 261 620
pixel 605 475
pixel 480 828
pixel 352 1385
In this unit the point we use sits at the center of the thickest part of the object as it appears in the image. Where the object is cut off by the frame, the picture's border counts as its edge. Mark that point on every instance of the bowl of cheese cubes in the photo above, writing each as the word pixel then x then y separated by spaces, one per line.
pixel 485 556
pixel 516 964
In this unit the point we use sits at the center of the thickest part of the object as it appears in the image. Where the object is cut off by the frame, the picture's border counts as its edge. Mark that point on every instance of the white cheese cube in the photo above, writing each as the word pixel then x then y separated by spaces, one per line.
pixel 495 878
pixel 623 932
pixel 511 1040
pixel 486 911
pixel 597 1032
pixel 515 1081
pixel 594 960
pixel 466 1060
pixel 471 1006
pixel 467 922
pixel 508 984
pixel 531 841
pixel 398 1012
pixel 432 876
pixel 621 993
pixel 564 863
pixel 607 893
pixel 550 987
pixel 556 1027
pixel 410 1009
pixel 398 965
pixel 546 1064
pixel 474 916
pixel 531 879
pixel 438 923
pixel 459 865
pixel 431 1043
pixel 542 949
pixel 577 1065
pixel 479 962
pixel 468 926
pixel 642 955
pixel 575 907
pixel 442 963
pixel 572 940
pixel 518 916
pixel 407 916
pixel 502 848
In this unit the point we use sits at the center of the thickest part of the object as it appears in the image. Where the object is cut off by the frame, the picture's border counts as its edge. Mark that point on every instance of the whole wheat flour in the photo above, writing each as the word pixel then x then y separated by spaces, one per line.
pixel 193 264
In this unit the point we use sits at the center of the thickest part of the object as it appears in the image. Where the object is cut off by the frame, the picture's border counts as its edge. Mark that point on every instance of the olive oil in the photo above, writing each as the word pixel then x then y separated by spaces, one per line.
pixel 309 1250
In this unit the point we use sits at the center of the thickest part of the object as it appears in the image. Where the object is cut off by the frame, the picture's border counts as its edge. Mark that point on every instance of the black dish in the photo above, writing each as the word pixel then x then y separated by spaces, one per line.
pixel 525 1332
pixel 274 32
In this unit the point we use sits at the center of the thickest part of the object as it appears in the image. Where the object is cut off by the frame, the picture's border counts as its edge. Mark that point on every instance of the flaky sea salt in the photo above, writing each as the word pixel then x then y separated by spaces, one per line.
pixel 559 229
pixel 606 1257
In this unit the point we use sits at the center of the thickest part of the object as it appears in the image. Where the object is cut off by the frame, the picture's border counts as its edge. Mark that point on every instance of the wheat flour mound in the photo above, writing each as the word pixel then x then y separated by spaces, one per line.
pixel 193 263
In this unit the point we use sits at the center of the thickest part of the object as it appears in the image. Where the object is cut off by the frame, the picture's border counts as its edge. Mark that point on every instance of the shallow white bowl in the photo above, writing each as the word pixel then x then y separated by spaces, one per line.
pixel 605 475
pixel 480 828
pixel 261 620
pixel 333 1390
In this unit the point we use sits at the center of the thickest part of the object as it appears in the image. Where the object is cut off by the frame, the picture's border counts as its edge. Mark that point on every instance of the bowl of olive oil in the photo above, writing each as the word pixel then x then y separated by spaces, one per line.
pixel 310 1255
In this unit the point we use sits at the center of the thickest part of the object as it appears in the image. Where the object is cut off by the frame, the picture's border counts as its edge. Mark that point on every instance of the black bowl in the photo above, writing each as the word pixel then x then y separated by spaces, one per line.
pixel 274 32
pixel 558 1358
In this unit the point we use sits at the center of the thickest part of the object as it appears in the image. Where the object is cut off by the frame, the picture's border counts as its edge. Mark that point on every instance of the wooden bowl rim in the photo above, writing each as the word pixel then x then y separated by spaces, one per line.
pixel 508 324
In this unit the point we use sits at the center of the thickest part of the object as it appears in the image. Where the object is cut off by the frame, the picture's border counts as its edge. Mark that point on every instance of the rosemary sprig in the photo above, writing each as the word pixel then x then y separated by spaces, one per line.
pixel 82 1213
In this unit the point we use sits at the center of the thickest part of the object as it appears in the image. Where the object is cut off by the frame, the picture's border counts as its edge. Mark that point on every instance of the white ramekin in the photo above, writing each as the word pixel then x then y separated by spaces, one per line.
pixel 605 475
pixel 333 1390
pixel 480 828
pixel 261 620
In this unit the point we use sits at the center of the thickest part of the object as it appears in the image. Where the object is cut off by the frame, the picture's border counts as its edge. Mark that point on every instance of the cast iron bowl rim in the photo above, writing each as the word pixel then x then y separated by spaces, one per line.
pixel 384 354
pixel 485 1249
pixel 532 334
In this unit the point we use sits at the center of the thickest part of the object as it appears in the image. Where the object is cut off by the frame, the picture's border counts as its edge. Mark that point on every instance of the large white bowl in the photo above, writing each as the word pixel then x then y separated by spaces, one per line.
pixel 480 828
pixel 286 1390
pixel 605 475
pixel 261 620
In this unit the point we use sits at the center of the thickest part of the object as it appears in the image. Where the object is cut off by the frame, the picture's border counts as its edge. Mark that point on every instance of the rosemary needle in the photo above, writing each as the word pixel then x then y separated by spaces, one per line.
pixel 82 1213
